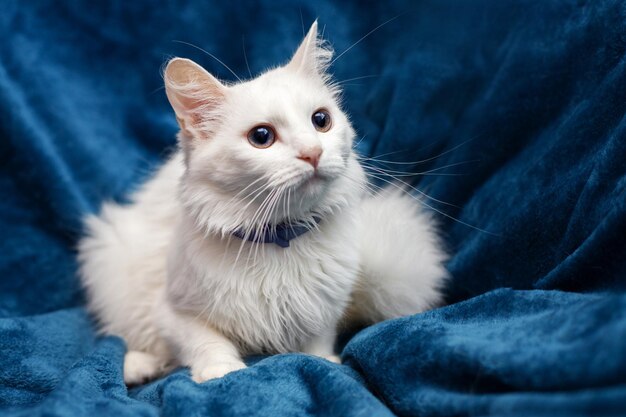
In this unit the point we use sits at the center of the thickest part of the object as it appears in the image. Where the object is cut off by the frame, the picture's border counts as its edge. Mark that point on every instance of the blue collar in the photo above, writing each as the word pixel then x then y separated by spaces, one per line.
pixel 280 234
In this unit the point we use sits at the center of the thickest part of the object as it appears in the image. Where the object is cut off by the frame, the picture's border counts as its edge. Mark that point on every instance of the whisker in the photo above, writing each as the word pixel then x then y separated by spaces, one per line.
pixel 361 157
pixel 248 186
pixel 359 142
pixel 211 55
pixel 430 171
pixel 357 78
pixel 245 56
pixel 379 177
pixel 258 192
pixel 445 214
pixel 393 184
pixel 249 231
pixel 265 213
pixel 425 174
pixel 365 36
pixel 410 174
pixel 253 219
pixel 269 210
pixel 289 208
pixel 423 160
pixel 261 188
pixel 157 90
pixel 256 239
pixel 367 187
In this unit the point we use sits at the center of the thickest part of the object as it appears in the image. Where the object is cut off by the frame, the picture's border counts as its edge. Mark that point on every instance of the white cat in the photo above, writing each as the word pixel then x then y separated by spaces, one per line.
pixel 257 236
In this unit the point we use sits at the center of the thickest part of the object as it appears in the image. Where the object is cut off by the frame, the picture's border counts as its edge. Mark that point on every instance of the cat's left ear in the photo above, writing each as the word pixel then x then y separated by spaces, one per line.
pixel 312 56
pixel 195 95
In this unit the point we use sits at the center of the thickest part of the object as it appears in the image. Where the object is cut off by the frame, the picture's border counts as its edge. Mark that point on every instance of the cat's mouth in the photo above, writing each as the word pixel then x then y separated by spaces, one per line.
pixel 312 182
pixel 313 179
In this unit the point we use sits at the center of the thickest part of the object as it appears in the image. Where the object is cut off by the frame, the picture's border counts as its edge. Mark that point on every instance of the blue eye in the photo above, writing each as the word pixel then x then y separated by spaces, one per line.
pixel 321 120
pixel 261 136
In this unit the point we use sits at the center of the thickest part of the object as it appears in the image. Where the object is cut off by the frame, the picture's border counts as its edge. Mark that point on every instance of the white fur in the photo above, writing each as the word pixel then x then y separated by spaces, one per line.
pixel 166 273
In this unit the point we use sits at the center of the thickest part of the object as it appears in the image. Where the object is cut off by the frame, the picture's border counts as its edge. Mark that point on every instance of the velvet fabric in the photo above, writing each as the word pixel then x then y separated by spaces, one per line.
pixel 514 112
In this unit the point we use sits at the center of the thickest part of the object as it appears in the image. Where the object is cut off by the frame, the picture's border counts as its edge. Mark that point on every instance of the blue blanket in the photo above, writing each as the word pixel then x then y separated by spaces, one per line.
pixel 516 110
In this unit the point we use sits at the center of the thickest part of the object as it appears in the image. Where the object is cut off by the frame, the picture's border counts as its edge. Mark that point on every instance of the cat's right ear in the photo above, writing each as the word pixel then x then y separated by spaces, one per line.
pixel 193 93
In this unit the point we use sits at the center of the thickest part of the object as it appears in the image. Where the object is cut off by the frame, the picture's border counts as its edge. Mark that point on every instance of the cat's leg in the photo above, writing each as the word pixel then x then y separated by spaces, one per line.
pixel 323 345
pixel 206 351
pixel 141 367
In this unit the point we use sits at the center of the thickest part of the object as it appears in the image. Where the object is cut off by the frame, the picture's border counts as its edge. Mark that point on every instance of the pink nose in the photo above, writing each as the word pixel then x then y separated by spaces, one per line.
pixel 311 155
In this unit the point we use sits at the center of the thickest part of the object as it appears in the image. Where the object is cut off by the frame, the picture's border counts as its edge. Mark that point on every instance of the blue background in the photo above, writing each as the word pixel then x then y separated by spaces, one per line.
pixel 521 104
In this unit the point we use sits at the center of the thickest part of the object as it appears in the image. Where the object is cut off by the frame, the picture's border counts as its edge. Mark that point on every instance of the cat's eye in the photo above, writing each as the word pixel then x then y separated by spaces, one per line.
pixel 321 120
pixel 262 136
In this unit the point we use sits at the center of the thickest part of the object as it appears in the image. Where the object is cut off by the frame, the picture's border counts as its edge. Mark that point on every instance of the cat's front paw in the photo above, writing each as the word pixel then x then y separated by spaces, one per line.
pixel 141 367
pixel 215 370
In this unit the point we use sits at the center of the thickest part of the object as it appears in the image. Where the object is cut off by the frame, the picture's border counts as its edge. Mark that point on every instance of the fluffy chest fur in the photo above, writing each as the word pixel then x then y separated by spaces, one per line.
pixel 265 298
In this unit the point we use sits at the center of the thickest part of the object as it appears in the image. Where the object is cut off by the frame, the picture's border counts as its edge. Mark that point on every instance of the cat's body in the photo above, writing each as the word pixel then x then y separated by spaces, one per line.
pixel 178 272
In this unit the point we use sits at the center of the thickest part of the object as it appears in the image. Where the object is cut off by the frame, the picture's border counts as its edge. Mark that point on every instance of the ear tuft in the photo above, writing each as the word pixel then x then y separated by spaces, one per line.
pixel 313 55
pixel 193 93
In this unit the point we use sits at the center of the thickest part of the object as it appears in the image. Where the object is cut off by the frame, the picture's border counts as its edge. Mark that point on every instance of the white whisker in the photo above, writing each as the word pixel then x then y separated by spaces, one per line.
pixel 212 56
pixel 365 36
pixel 245 56
pixel 376 159
pixel 356 78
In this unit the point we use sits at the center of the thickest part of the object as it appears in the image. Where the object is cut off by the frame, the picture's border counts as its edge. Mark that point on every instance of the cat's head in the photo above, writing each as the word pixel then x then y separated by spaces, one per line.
pixel 263 150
